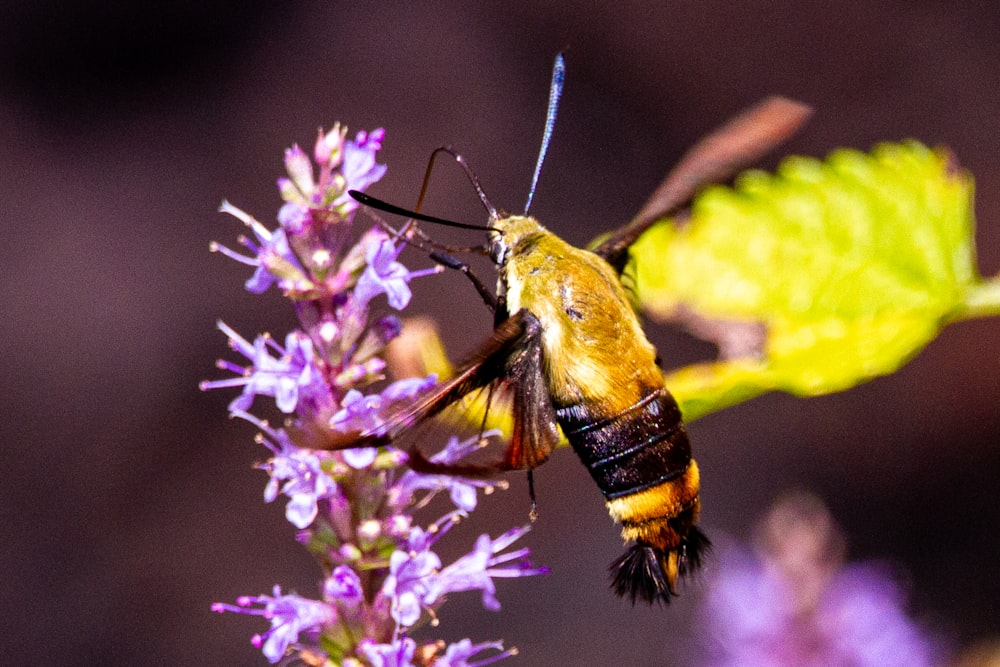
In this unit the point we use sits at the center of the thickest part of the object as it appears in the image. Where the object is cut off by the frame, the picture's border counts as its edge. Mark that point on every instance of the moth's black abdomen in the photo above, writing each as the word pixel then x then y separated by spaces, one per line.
pixel 641 447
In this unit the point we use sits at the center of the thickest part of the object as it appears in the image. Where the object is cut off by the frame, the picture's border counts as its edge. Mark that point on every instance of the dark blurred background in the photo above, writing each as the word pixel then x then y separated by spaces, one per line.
pixel 128 499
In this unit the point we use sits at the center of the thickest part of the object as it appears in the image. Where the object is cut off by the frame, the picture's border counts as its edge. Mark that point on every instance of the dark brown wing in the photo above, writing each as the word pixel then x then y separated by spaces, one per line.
pixel 485 366
pixel 511 357
pixel 715 158
pixel 535 433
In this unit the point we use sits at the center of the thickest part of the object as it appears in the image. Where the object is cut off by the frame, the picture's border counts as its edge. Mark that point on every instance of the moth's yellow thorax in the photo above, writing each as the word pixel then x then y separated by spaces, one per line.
pixel 593 346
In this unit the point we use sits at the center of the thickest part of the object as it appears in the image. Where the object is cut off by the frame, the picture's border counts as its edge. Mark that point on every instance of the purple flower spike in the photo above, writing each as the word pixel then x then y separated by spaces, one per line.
pixel 356 510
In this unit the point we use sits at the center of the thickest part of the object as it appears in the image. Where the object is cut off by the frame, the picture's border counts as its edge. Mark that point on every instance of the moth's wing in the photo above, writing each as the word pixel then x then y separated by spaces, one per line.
pixel 522 389
pixel 717 157
pixel 510 359
pixel 484 367
pixel 535 433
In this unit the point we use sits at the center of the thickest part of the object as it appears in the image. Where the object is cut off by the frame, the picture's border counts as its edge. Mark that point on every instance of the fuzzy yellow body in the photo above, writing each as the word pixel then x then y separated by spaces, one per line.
pixel 595 351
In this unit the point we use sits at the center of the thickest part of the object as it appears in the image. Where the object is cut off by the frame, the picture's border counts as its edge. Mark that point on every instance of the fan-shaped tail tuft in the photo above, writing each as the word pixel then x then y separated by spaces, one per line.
pixel 649 574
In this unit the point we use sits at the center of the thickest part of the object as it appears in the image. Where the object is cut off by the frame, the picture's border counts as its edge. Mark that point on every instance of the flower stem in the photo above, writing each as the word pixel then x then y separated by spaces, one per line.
pixel 982 300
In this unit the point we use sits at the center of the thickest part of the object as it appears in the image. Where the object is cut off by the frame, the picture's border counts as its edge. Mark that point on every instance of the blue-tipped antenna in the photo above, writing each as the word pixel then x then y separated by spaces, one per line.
pixel 555 92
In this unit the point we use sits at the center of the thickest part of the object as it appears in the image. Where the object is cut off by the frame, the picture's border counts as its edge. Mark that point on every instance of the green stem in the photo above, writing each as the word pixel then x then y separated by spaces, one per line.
pixel 983 300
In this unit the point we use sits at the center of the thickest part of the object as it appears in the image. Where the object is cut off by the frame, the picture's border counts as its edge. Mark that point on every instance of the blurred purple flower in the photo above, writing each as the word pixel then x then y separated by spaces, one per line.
pixel 790 602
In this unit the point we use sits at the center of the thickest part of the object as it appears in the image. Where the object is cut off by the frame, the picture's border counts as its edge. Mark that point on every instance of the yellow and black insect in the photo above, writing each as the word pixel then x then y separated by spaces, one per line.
pixel 569 350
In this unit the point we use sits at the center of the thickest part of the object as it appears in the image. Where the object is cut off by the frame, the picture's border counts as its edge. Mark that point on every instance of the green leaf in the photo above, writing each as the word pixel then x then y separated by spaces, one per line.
pixel 818 278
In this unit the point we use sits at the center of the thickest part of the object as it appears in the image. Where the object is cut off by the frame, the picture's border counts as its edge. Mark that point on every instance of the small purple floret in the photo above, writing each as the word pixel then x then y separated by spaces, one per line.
pixel 290 616
pixel 397 654
pixel 384 275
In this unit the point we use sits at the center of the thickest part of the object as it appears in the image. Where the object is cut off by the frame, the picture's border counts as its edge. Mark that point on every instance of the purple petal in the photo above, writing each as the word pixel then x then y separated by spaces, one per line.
pixel 344 584
pixel 294 218
pixel 397 654
pixel 360 457
pixel 301 510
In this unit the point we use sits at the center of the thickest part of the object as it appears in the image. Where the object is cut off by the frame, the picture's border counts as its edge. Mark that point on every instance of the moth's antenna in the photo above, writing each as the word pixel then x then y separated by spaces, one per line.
pixel 555 92
pixel 471 175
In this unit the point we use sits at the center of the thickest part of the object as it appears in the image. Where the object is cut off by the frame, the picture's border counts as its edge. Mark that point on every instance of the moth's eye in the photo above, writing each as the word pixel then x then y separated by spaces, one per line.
pixel 498 250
